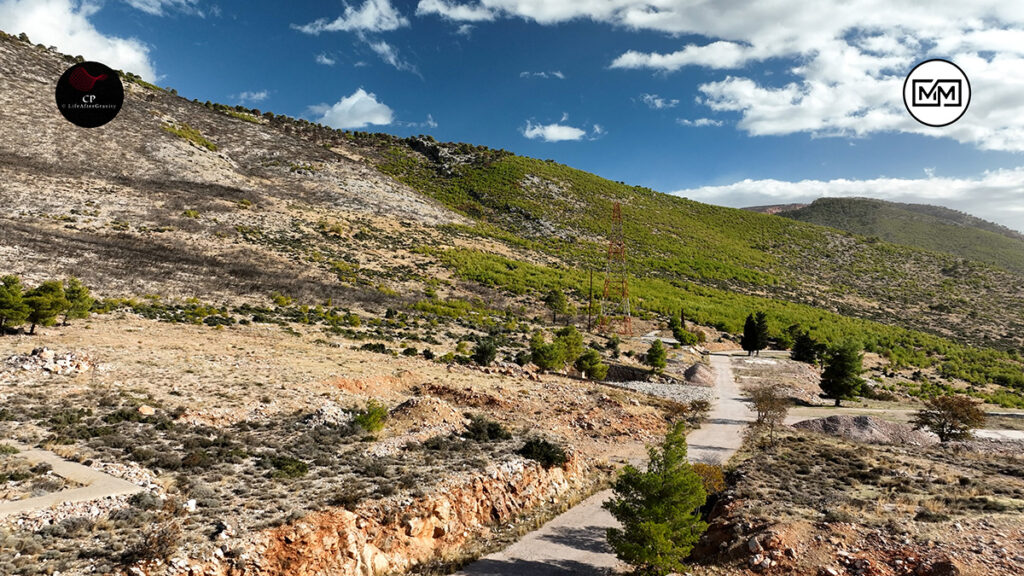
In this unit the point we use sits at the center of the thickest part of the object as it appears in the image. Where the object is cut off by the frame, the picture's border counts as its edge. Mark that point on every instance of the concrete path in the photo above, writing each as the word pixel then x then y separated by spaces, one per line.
pixel 574 542
pixel 97 484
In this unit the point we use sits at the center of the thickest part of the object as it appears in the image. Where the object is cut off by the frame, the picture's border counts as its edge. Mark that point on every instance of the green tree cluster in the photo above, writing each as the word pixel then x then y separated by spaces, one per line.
pixel 42 305
pixel 566 348
pixel 659 509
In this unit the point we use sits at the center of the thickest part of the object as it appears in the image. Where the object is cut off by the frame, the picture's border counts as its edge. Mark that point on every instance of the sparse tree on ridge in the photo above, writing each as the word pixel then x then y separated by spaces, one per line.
pixel 78 298
pixel 13 309
pixel 841 377
pixel 556 302
pixel 45 302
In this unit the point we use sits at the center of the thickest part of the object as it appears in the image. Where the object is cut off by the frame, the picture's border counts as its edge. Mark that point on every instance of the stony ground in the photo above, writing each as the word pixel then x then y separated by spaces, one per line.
pixel 196 409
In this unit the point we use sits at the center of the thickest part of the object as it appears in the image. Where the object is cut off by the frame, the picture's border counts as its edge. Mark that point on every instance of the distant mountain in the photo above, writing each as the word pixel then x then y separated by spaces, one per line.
pixel 918 225
pixel 775 208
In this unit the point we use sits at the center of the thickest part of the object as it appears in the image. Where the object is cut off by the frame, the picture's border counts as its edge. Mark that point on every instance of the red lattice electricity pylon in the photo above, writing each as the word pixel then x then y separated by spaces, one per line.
pixel 616 284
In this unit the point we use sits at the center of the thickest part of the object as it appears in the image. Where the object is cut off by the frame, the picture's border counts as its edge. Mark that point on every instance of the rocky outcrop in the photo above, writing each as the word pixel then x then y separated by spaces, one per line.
pixel 389 536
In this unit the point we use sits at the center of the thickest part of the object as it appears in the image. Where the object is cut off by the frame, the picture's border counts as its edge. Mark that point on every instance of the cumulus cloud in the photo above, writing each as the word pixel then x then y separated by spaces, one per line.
pixel 66 24
pixel 655 102
pixel 558 131
pixel 372 16
pixel 356 111
pixel 994 195
pixel 847 58
pixel 699 122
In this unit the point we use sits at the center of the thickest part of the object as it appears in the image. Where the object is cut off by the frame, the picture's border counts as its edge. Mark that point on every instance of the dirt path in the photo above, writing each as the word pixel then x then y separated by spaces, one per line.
pixel 574 542
pixel 97 484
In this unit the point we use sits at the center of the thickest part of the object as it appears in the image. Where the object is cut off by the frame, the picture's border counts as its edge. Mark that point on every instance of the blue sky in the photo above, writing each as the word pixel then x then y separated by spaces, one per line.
pixel 734 103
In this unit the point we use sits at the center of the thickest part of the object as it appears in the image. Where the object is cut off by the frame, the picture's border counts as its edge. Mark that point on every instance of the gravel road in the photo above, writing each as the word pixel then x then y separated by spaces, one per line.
pixel 97 484
pixel 574 542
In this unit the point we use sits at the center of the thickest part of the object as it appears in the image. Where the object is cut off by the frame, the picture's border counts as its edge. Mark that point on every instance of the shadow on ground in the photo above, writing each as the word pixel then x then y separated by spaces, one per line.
pixel 587 538
pixel 518 567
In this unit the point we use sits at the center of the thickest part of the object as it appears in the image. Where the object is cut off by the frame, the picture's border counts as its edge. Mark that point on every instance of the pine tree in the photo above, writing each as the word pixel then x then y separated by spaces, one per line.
pixel 45 302
pixel 589 364
pixel 761 321
pixel 657 357
pixel 755 333
pixel 79 300
pixel 13 310
pixel 841 377
pixel 805 348
pixel 571 341
pixel 556 302
pixel 547 356
pixel 659 509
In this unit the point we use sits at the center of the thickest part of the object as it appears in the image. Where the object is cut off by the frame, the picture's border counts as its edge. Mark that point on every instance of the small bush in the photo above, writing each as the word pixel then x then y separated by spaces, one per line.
pixel 372 418
pixel 410 351
pixel 543 451
pixel 711 475
pixel 8 449
pixel 482 429
pixel 287 467
pixel 485 352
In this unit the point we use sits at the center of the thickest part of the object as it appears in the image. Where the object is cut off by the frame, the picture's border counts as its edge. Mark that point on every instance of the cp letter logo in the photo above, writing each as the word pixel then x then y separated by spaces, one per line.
pixel 936 93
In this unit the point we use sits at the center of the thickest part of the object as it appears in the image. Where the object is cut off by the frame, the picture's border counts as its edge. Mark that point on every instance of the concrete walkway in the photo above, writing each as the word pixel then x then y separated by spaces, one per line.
pixel 574 542
pixel 96 484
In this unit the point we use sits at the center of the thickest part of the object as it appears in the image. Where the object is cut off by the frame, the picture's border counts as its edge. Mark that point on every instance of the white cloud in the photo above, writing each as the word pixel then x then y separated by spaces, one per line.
pixel 252 97
pixel 158 7
pixel 325 59
pixel 454 11
pixel 389 54
pixel 994 195
pixel 356 111
pixel 66 24
pixel 847 58
pixel 714 55
pixel 598 130
pixel 464 30
pixel 655 102
pixel 554 132
pixel 699 122
pixel 372 16
pixel 545 75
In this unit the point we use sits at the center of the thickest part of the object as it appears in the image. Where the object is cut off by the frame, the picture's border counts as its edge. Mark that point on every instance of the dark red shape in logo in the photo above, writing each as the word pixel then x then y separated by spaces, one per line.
pixel 82 81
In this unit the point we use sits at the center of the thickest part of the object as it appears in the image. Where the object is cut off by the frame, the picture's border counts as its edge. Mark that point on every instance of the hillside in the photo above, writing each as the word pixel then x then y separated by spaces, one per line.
pixel 918 225
pixel 178 200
